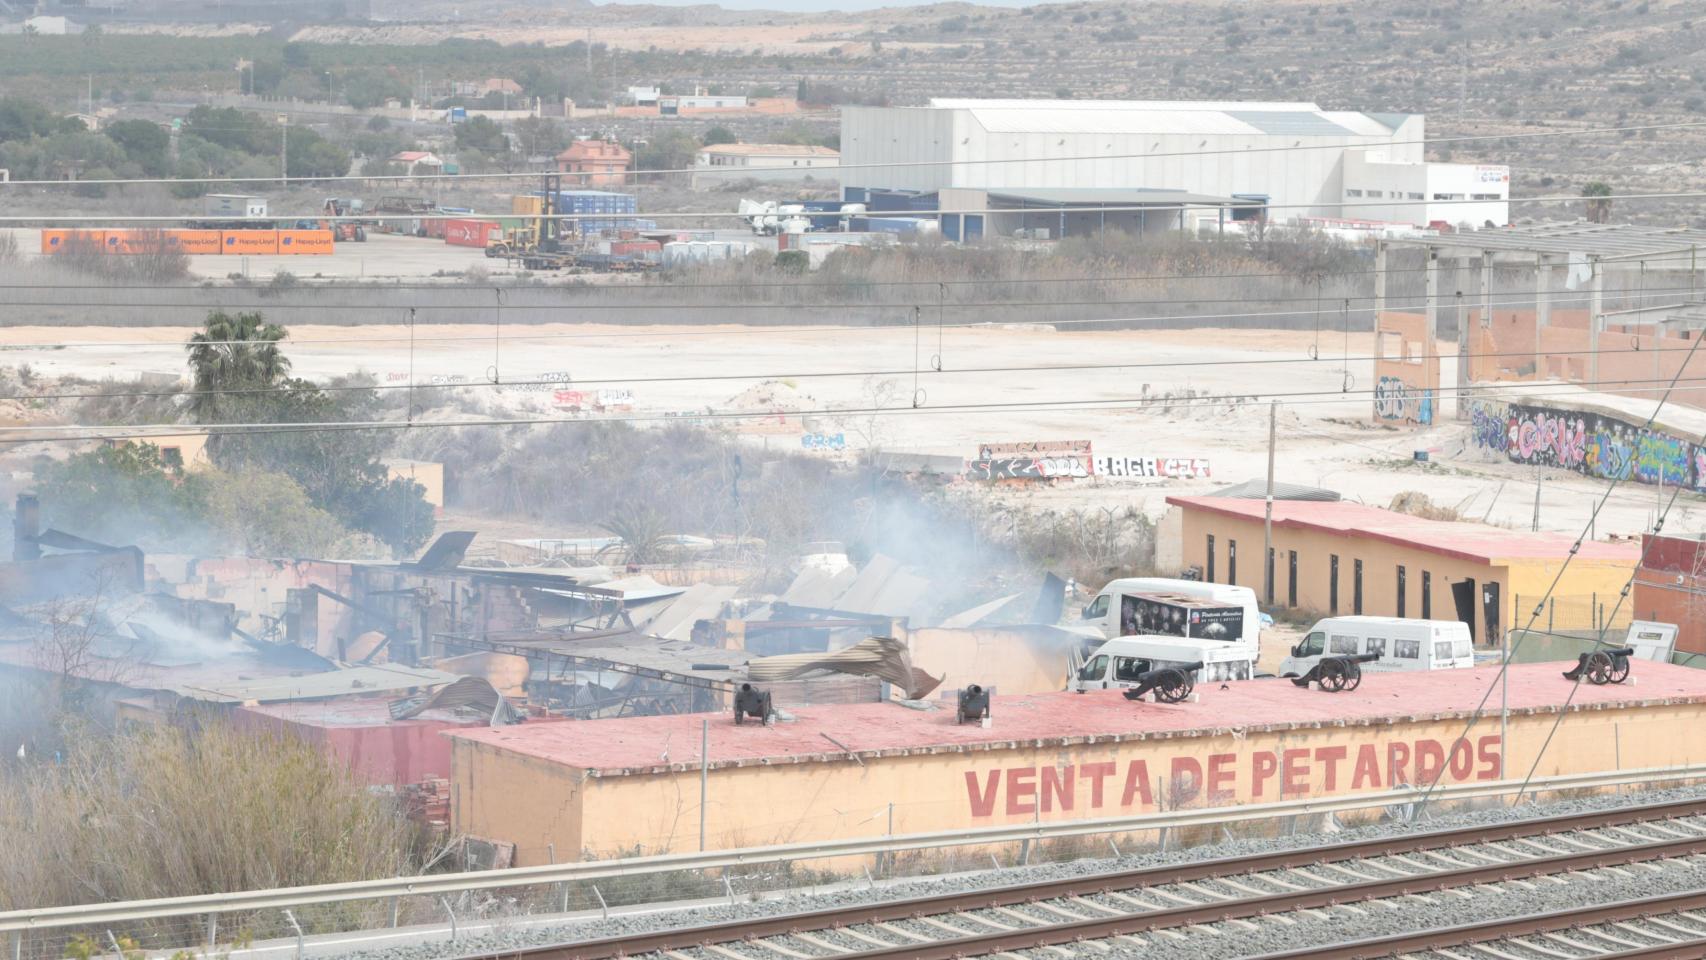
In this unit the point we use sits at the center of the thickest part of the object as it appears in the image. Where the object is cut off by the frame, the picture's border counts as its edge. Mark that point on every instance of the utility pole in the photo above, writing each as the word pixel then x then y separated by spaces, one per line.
pixel 704 775
pixel 284 148
pixel 1534 525
pixel 1268 520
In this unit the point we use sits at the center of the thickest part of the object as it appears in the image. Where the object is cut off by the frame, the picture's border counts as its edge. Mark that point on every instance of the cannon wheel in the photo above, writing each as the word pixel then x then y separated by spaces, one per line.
pixel 1619 669
pixel 1599 667
pixel 1353 675
pixel 1176 687
pixel 1332 677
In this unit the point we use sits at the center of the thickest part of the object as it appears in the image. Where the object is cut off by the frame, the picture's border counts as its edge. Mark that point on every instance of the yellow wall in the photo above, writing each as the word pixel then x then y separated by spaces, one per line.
pixel 1527 579
pixel 1009 660
pixel 499 795
pixel 427 473
pixel 191 448
pixel 503 796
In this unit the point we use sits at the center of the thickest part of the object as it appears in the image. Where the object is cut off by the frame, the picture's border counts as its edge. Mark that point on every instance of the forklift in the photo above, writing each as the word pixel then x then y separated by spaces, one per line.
pixel 544 244
pixel 343 230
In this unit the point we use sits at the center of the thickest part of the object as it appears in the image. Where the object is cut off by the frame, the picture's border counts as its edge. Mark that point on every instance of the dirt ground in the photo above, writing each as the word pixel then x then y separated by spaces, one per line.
pixel 1324 435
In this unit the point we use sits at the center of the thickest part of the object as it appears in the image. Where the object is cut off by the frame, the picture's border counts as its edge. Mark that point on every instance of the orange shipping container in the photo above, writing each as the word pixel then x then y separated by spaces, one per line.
pixel 138 241
pixel 195 241
pixel 58 241
pixel 305 242
pixel 248 241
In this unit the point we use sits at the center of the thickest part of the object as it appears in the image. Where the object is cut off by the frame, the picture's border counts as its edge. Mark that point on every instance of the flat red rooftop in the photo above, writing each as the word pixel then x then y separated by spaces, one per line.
pixel 651 744
pixel 1468 541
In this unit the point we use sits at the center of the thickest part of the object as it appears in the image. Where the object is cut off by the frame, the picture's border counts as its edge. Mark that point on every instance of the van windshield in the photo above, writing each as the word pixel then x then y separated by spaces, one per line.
pixel 1313 645
pixel 1096 669
pixel 1097 609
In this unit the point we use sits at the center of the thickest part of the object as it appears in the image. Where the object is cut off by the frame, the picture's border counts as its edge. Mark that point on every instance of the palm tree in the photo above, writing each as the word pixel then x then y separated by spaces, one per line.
pixel 234 353
pixel 1599 208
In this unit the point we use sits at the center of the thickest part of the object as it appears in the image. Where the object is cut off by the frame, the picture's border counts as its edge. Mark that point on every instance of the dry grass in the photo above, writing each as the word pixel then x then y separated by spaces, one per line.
pixel 162 811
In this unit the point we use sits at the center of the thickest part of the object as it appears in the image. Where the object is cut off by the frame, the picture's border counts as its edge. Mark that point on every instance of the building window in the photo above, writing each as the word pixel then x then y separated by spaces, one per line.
pixel 1356 588
pixel 1268 581
pixel 1377 194
pixel 1448 196
pixel 1414 196
pixel 1485 196
pixel 1232 561
pixel 1333 584
pixel 1427 595
pixel 1353 193
pixel 1291 580
pixel 1210 577
pixel 1401 578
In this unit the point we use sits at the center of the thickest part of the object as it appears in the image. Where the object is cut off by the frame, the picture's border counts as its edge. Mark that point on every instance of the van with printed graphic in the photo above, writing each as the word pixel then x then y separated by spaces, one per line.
pixel 1137 624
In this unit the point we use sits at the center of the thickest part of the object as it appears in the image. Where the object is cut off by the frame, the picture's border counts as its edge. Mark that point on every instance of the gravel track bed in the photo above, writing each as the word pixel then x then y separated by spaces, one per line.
pixel 1237 941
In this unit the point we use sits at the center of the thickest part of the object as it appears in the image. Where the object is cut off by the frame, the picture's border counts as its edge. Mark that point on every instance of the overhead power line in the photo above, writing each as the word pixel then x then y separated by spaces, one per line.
pixel 777 375
pixel 40 434
pixel 907 164
pixel 1157 208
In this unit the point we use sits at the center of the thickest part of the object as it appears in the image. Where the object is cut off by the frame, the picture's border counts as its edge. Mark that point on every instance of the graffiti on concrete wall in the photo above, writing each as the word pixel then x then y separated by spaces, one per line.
pixel 1034 448
pixel 824 441
pixel 1588 443
pixel 1028 468
pixel 1176 468
pixel 1396 400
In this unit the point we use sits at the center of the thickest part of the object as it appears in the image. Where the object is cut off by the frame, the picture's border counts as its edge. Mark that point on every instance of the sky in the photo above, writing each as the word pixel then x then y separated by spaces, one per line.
pixel 819 6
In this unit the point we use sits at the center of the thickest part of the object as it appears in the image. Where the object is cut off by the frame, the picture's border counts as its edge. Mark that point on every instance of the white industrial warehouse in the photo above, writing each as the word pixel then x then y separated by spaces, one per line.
pixel 1075 157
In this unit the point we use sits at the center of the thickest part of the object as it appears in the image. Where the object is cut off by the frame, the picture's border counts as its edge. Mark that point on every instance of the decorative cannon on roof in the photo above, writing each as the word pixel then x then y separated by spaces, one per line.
pixel 973 705
pixel 1601 667
pixel 1170 684
pixel 1337 674
pixel 752 702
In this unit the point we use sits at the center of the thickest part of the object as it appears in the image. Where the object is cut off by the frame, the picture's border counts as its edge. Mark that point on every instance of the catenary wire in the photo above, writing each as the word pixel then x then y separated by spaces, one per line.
pixel 890 165
pixel 1291 398
pixel 787 375
pixel 719 329
pixel 1557 578
pixel 1158 208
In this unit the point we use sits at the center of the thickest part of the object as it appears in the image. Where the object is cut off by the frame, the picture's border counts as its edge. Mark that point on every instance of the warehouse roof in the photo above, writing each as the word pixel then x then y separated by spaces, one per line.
pixel 770 150
pixel 1606 241
pixel 635 745
pixel 1478 542
pixel 1219 118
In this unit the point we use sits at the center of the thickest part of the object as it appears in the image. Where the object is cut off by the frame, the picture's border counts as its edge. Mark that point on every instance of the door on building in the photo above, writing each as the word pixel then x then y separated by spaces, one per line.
pixel 1210 576
pixel 1401 585
pixel 1356 587
pixel 1232 562
pixel 1268 581
pixel 1490 610
pixel 1427 595
pixel 1333 584
pixel 1463 600
pixel 1291 580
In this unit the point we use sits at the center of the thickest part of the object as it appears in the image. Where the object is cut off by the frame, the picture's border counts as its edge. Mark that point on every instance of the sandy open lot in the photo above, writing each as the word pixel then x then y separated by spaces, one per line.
pixel 1324 434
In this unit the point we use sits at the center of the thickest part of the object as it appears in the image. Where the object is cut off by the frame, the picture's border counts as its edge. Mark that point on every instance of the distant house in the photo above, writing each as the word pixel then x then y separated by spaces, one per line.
pixel 42 27
pixel 417 161
pixel 596 163
pixel 501 85
pixel 761 161
pixel 644 96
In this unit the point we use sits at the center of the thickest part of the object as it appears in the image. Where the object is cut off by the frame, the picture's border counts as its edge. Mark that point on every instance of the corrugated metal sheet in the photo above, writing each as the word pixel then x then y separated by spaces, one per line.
pixel 356 681
pixel 883 657
pixel 967 103
pixel 1137 120
pixel 701 601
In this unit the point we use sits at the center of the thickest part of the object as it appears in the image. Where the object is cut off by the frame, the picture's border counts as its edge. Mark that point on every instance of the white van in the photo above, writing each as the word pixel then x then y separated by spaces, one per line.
pixel 1149 622
pixel 1402 644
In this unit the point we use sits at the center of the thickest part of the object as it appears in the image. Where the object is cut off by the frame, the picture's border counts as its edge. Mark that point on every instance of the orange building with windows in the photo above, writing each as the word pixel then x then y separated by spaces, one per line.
pixel 596 163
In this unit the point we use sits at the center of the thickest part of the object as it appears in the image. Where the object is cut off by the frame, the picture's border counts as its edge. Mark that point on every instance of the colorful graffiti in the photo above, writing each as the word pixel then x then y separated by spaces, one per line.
pixel 824 441
pixel 1489 426
pixel 1588 443
pixel 1547 437
pixel 1396 400
pixel 1028 468
pixel 1179 468
pixel 1034 448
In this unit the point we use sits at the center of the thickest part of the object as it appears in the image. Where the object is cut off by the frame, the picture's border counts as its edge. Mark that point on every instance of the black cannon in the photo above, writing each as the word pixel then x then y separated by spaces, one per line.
pixel 1610 665
pixel 752 702
pixel 1171 684
pixel 974 705
pixel 1336 674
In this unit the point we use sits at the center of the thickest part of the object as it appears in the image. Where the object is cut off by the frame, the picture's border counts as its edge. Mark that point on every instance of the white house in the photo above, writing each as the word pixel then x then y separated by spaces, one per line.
pixel 724 162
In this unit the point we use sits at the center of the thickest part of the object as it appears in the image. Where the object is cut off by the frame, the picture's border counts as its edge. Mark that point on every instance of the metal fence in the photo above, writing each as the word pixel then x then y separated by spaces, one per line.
pixel 338 918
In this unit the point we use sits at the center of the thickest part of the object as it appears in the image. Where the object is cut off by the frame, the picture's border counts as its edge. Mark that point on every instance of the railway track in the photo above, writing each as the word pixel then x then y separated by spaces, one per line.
pixel 1125 908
